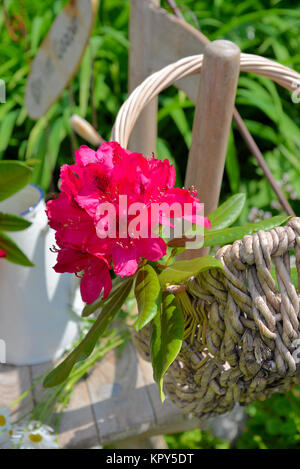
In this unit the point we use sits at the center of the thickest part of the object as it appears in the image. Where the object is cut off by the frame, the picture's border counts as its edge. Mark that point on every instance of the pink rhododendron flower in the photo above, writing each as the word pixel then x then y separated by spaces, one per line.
pixel 79 247
pixel 97 224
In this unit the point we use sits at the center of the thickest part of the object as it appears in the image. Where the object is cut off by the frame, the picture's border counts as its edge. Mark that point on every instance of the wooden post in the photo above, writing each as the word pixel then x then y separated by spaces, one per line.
pixel 143 137
pixel 212 120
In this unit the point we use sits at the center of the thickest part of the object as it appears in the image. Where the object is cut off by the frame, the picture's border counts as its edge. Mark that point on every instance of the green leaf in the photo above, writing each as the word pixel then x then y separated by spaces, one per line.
pixel 13 252
pixel 182 270
pixel 232 164
pixel 167 329
pixel 7 128
pixel 85 82
pixel 182 124
pixel 163 151
pixel 9 222
pixel 148 297
pixel 172 107
pixel 14 175
pixel 57 135
pixel 36 30
pixel 118 36
pixel 262 131
pixel 227 213
pixel 229 235
pixel 87 345
pixel 40 150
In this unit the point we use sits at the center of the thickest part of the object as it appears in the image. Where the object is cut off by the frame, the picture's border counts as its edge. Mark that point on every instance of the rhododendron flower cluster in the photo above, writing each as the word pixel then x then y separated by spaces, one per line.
pixel 97 231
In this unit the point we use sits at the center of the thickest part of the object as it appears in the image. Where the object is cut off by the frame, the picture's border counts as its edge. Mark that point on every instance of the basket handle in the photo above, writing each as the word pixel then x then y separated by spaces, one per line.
pixel 158 81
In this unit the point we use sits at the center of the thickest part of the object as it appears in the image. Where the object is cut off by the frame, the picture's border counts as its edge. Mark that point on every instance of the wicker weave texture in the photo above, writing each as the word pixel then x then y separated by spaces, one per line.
pixel 241 334
pixel 167 76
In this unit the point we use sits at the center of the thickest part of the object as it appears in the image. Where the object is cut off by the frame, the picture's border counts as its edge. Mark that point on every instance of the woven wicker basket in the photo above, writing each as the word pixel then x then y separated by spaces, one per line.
pixel 241 332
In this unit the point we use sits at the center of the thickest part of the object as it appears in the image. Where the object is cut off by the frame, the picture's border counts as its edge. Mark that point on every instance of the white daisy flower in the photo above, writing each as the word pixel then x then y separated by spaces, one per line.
pixel 34 436
pixel 5 427
pixel 5 423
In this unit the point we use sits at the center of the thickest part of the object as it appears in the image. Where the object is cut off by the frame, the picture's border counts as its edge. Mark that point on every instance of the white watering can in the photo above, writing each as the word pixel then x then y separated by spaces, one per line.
pixel 37 305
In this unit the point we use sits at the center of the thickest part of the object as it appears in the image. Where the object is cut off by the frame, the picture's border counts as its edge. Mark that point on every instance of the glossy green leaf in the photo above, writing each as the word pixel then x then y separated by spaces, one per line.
pixel 229 235
pixel 148 296
pixel 14 175
pixel 182 270
pixel 167 329
pixel 13 252
pixel 226 214
pixel 87 345
pixel 9 222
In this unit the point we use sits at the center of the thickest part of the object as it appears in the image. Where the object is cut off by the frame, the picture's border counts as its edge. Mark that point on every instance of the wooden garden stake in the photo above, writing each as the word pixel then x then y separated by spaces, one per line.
pixel 59 56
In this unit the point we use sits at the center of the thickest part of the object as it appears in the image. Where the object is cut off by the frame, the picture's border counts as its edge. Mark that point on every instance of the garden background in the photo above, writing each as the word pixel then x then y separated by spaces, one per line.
pixel 267 28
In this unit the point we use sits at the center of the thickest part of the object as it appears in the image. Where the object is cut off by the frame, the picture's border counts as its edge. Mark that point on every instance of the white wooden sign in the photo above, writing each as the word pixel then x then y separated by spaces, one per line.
pixel 59 56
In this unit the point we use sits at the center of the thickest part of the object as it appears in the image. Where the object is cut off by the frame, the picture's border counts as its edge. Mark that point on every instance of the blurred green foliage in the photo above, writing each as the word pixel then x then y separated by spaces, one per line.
pixel 265 27
pixel 269 28
pixel 274 423
pixel 195 439
pixel 271 424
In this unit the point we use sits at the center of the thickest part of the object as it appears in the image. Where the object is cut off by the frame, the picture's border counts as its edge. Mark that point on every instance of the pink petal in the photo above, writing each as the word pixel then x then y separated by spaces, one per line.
pixel 105 154
pixel 125 260
pixel 152 249
pixel 95 279
pixel 70 179
pixel 64 212
pixel 207 223
pixel 85 155
pixel 163 174
pixel 70 260
pixel 89 201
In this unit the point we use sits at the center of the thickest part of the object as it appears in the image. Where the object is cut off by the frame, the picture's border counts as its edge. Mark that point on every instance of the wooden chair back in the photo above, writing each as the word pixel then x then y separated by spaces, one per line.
pixel 158 39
